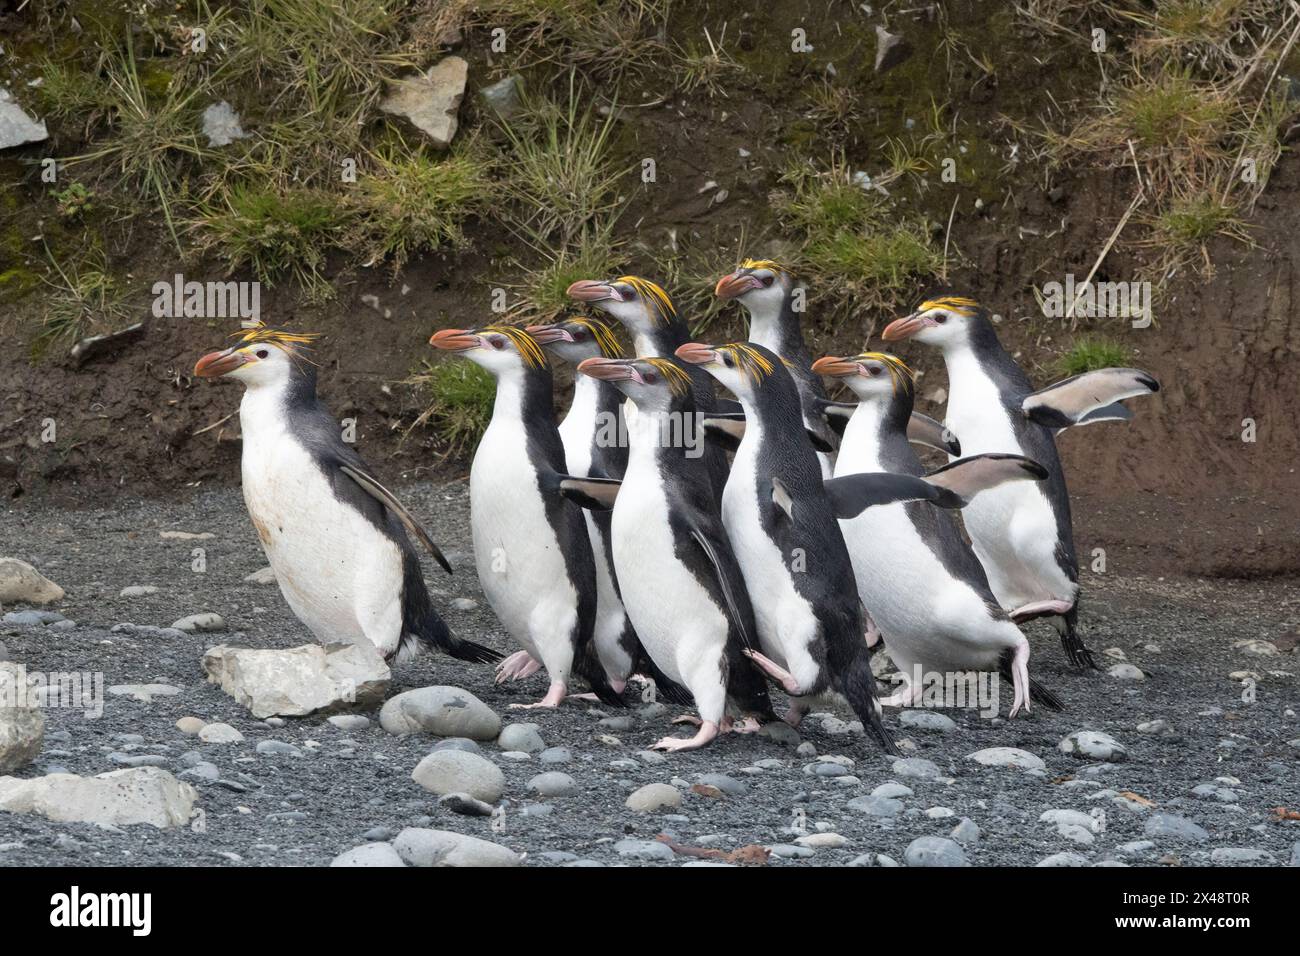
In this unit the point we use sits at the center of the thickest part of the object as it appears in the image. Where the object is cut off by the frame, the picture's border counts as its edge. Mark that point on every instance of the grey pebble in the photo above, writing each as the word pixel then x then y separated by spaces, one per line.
pixel 934 851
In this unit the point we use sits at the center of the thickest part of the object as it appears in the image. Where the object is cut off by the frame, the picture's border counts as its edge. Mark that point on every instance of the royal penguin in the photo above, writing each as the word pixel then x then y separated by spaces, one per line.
pixel 924 585
pixel 336 538
pixel 1022 531
pixel 782 527
pixel 531 548
pixel 680 582
pixel 594 435
pixel 647 313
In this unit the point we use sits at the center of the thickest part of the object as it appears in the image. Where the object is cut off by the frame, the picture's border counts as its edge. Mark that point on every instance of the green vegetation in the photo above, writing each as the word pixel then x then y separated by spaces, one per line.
pixel 460 396
pixel 1194 220
pixel 85 299
pixel 1089 354
pixel 542 288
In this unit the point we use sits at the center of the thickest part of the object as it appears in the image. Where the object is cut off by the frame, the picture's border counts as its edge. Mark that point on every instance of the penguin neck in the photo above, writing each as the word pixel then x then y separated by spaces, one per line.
pixel 876 436
pixel 780 331
pixel 591 398
pixel 660 337
pixel 265 408
pixel 524 397
pixel 981 357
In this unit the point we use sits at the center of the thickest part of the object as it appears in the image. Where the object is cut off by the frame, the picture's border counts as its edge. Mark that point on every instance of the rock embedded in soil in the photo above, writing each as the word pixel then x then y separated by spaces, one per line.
pixel 455 771
pixel 927 720
pixel 1093 745
pixel 421 847
pixel 891 49
pixel 23 584
pixel 137 590
pixel 22 724
pixel 220 734
pixel 117 798
pixel 442 711
pixel 264 575
pixel 430 100
pixel 553 783
pixel 1126 672
pixel 644 850
pixel 525 737
pixel 16 127
pixel 350 723
pixel 221 124
pixel 1171 826
pixel 1007 757
pixel 204 621
pixel 301 680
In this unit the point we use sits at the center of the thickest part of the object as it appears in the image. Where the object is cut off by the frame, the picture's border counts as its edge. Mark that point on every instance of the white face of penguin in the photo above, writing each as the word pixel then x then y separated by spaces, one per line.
pixel 502 350
pixel 944 323
pixel 576 340
pixel 760 289
pixel 871 377
pixel 257 365
pixel 732 365
pixel 635 302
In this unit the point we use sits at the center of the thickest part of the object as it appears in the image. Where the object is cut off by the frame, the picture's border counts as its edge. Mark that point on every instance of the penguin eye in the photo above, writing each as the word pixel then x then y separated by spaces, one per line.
pixel 497 342
pixel 727 360
pixel 767 281
pixel 579 335
pixel 941 318
pixel 262 353
pixel 649 377
pixel 873 370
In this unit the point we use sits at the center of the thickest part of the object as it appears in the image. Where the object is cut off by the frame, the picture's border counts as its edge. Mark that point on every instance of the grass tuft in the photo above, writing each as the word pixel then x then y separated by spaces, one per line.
pixel 1089 354
pixel 460 396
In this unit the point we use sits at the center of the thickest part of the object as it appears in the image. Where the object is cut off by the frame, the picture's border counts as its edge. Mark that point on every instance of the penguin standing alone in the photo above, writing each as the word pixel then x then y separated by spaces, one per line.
pixel 334 535
pixel 678 576
pixel 924 586
pixel 531 547
pixel 1021 532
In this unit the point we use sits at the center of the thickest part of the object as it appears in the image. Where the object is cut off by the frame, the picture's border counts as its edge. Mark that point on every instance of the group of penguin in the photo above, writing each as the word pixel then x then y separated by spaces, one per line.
pixel 663 533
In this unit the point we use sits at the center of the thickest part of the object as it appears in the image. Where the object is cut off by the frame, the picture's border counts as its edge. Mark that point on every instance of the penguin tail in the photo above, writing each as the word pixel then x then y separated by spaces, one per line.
pixel 423 626
pixel 1067 625
pixel 1037 692
pixel 858 685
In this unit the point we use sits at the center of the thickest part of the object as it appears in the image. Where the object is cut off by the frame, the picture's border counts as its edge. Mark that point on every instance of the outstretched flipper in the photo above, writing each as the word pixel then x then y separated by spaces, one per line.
pixel 951 486
pixel 727 430
pixel 1114 412
pixel 1070 401
pixel 967 477
pixel 371 486
pixel 924 430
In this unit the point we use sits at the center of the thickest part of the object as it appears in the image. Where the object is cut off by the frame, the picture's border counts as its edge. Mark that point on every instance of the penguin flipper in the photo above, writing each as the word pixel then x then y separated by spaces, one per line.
pixel 371 486
pixel 731 589
pixel 594 494
pixel 1114 412
pixel 781 498
pixel 966 477
pixel 924 430
pixel 1068 401
pixel 837 414
pixel 851 495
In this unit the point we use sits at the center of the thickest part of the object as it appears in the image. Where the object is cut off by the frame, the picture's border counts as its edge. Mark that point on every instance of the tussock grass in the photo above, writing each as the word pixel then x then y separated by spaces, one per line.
pixel 541 290
pixel 1088 354
pixel 854 242
pixel 460 395
pixel 412 201
pixel 276 233
pixel 86 298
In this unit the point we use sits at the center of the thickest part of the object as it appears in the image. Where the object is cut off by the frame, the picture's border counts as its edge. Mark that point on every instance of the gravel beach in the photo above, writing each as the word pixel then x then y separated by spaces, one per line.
pixel 1184 763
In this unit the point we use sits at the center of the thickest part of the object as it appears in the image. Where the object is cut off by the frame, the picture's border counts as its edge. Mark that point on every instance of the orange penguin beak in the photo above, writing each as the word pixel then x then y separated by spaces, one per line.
pixel 216 364
pixel 905 328
pixel 454 340
pixel 610 370
pixel 593 290
pixel 696 353
pixel 735 284
pixel 835 367
pixel 548 334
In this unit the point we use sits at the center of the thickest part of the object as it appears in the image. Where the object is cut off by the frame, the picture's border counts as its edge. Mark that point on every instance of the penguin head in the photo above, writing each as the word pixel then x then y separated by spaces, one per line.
pixel 872 376
pixel 744 368
pixel 946 322
pixel 653 384
pixel 638 303
pixel 501 349
pixel 577 338
pixel 264 357
pixel 760 285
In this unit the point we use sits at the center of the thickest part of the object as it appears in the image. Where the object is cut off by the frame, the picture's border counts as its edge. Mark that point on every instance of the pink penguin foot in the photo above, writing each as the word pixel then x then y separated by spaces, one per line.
pixel 775 670
pixel 708 730
pixel 554 696
pixel 1037 609
pixel 518 665
pixel 1020 679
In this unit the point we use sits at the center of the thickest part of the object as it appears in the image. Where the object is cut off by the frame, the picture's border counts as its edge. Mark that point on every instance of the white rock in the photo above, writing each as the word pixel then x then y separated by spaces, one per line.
pixel 264 575
pixel 1126 672
pixel 220 734
pixel 117 798
pixel 456 771
pixel 420 847
pixel 1007 757
pixel 369 855
pixel 137 590
pixel 654 796
pixel 301 680
pixel 16 127
pixel 144 692
pixel 21 582
pixel 190 726
pixel 221 124
pixel 430 100
pixel 1094 744
pixel 440 710
pixel 186 535
pixel 204 621
pixel 830 841
pixel 22 726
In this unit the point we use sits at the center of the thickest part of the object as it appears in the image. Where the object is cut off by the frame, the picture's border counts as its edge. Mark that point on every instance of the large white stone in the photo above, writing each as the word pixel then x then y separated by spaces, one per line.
pixel 21 582
pixel 16 127
pixel 1007 757
pixel 301 680
pixel 441 710
pixel 455 771
pixel 117 798
pixel 22 724
pixel 420 847
pixel 430 99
